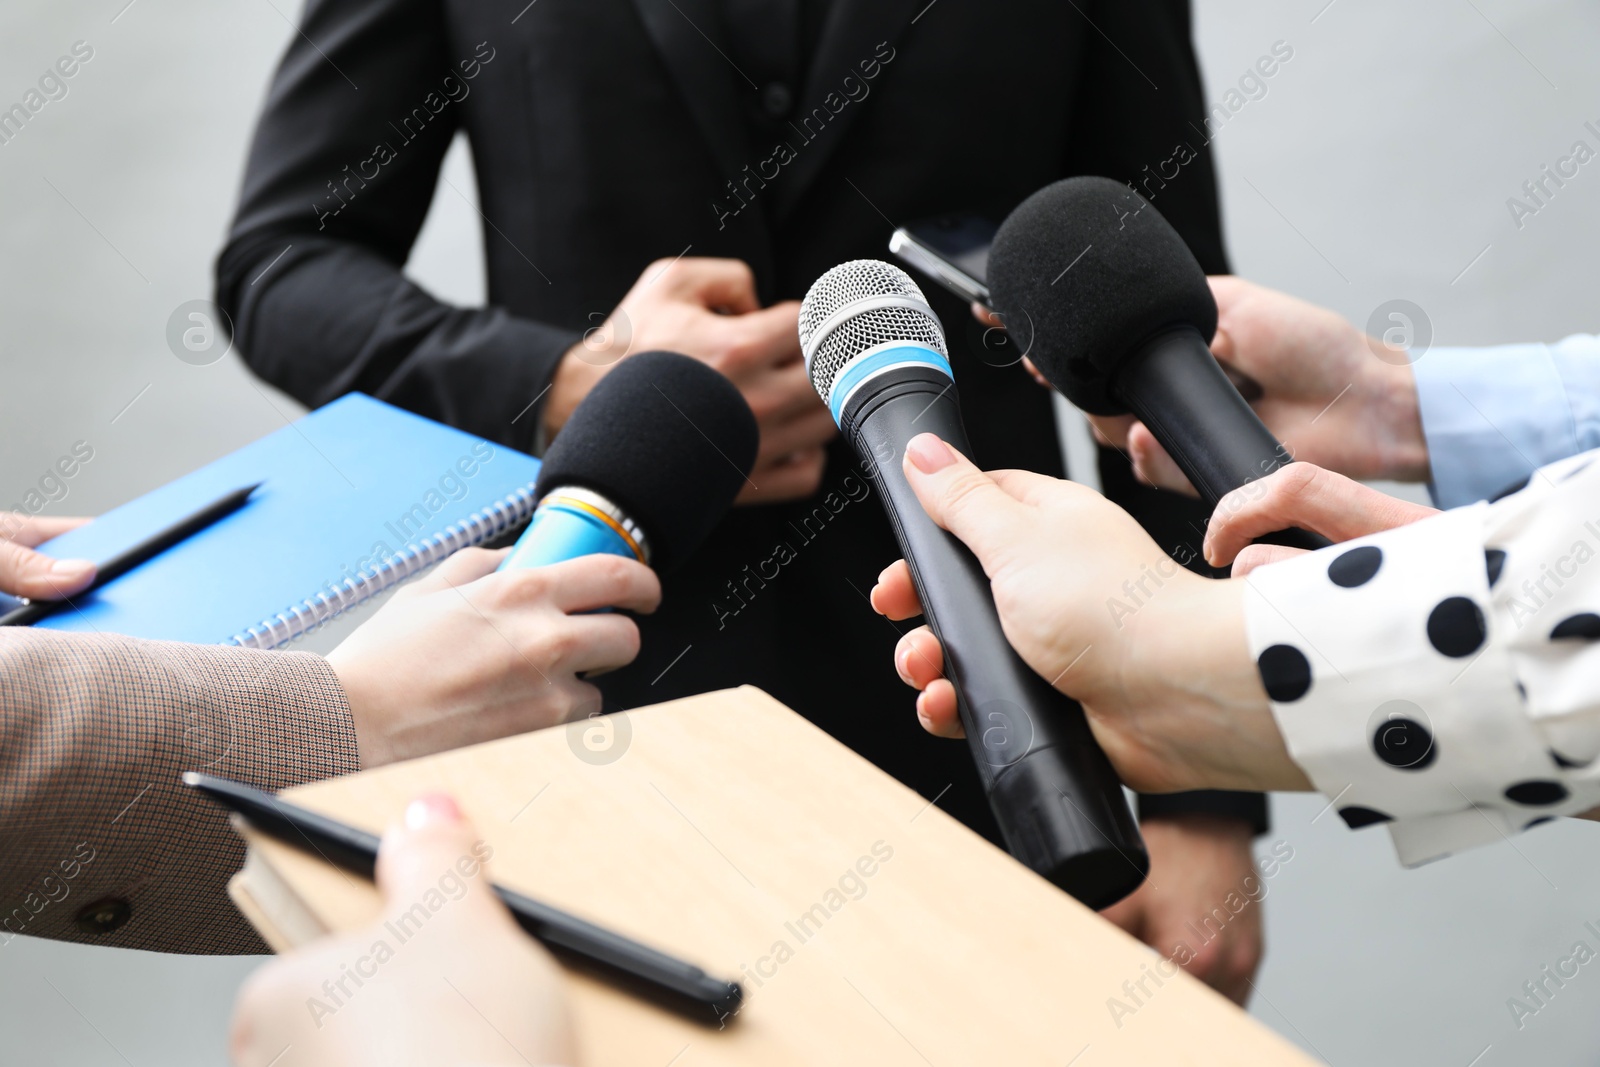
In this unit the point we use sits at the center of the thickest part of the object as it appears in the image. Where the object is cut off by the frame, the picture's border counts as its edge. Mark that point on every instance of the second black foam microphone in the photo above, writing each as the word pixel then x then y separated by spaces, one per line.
pixel 647 465
pixel 1106 299
pixel 876 354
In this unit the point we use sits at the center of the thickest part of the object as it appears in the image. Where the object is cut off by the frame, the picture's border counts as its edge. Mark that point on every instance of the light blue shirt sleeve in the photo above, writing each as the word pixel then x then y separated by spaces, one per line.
pixel 1492 416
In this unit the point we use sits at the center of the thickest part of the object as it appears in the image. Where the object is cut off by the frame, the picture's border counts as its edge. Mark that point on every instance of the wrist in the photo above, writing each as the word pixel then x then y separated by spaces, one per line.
pixel 576 373
pixel 1203 713
pixel 1196 823
pixel 1394 416
pixel 373 745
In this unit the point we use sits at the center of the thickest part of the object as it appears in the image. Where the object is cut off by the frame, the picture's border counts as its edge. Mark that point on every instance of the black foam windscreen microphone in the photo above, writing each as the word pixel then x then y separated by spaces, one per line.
pixel 645 467
pixel 877 356
pixel 1107 301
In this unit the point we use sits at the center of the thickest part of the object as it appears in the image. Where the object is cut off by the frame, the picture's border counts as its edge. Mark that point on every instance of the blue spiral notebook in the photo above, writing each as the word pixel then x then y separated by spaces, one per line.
pixel 355 497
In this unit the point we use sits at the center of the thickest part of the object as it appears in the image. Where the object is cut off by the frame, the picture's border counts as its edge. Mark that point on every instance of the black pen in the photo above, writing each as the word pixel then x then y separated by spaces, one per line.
pixel 144 551
pixel 642 970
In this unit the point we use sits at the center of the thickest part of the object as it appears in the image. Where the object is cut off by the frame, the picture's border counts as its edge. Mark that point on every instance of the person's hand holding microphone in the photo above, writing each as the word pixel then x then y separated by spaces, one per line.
pixel 466 654
pixel 1333 395
pixel 1175 705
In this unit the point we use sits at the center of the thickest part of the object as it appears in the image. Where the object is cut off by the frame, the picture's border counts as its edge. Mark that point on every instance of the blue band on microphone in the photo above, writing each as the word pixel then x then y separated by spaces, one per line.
pixel 864 367
pixel 560 531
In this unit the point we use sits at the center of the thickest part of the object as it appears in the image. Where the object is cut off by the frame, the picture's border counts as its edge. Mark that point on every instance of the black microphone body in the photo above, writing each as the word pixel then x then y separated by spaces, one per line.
pixel 1126 328
pixel 1172 383
pixel 1175 387
pixel 1059 803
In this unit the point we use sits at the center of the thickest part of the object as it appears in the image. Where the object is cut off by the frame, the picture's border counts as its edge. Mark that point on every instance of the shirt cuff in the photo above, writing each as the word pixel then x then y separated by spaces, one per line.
pixel 1491 416
pixel 1439 677
pixel 1577 360
pixel 1544 541
pixel 1386 686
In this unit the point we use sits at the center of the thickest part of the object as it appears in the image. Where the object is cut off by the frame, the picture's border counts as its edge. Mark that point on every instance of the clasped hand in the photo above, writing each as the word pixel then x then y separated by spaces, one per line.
pixel 708 309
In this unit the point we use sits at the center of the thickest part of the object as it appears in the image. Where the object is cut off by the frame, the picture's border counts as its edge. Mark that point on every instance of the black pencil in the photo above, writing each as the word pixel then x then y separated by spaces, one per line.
pixel 145 550
pixel 643 970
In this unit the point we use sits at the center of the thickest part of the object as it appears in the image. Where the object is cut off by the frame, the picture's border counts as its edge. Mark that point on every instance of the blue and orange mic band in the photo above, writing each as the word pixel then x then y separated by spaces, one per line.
pixel 570 522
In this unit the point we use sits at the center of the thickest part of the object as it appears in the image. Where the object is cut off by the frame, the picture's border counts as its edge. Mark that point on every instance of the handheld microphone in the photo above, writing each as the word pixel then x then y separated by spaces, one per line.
pixel 646 466
pixel 1102 294
pixel 876 354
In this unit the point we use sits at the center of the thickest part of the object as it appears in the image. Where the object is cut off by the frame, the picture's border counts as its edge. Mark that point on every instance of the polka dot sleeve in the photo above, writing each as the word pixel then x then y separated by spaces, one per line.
pixel 1443 678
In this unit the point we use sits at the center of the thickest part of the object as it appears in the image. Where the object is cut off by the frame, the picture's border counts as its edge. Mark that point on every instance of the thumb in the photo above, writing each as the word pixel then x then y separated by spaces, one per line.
pixel 1153 464
pixel 1253 556
pixel 434 859
pixel 468 565
pixel 961 498
pixel 459 569
pixel 24 572
pixel 720 284
pixel 772 334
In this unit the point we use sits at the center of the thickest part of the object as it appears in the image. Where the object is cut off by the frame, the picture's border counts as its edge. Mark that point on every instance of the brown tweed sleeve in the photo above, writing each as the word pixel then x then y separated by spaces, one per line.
pixel 98 841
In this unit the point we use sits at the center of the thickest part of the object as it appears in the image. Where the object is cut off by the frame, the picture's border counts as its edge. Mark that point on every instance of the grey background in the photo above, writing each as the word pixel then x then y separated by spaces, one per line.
pixel 1376 166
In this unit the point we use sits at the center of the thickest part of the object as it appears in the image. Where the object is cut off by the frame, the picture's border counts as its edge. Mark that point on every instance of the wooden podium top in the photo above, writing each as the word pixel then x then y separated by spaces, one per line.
pixel 866 925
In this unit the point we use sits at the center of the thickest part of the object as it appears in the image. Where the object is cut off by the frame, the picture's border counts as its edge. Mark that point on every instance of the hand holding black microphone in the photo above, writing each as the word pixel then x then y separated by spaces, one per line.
pixel 877 356
pixel 647 465
pixel 1339 398
pixel 1170 689
pixel 1105 299
pixel 1128 330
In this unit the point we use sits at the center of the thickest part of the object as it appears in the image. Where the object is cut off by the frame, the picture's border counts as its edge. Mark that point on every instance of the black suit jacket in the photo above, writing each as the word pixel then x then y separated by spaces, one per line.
pixel 607 133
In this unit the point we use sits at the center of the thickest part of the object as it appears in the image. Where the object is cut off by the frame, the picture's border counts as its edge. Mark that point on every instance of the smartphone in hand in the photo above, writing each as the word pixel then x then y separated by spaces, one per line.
pixel 952 250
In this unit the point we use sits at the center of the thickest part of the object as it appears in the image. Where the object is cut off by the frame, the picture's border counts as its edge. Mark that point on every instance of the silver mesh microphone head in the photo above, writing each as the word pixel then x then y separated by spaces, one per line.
pixel 857 306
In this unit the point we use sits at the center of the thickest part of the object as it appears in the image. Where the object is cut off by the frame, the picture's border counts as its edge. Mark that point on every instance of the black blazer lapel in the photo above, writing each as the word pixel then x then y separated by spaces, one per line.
pixel 853 33
pixel 687 34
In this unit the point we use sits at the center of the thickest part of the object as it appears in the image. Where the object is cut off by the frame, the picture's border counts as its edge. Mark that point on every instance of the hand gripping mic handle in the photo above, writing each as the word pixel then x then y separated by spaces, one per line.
pixel 1175 387
pixel 1060 805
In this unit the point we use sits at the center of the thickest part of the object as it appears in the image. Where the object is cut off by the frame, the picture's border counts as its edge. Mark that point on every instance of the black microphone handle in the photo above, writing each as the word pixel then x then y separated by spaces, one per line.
pixel 1059 803
pixel 1175 387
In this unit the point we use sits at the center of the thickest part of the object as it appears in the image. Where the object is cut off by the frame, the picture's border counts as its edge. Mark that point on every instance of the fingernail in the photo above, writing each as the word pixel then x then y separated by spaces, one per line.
pixel 902 663
pixel 432 810
pixel 929 454
pixel 71 568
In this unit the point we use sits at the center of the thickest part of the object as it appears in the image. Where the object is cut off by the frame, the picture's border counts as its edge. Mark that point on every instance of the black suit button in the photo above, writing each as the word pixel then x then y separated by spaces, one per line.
pixel 776 100
pixel 103 916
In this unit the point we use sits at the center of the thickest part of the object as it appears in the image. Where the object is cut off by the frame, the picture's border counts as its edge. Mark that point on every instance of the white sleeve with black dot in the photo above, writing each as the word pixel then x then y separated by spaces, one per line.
pixel 1443 678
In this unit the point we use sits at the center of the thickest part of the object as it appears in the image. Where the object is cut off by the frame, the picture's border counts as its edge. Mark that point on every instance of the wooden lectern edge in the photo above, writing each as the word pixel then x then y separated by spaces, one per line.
pixel 882 943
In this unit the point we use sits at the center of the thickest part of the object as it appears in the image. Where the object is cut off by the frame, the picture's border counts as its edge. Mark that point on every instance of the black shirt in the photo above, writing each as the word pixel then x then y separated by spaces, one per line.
pixel 772 43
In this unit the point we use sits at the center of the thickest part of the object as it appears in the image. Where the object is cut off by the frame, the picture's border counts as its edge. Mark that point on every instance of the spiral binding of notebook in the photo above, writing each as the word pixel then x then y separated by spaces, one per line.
pixel 297 620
